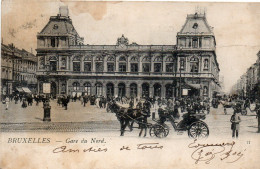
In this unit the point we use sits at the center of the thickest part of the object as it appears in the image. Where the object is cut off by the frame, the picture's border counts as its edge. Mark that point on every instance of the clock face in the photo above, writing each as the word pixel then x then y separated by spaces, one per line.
pixel 55 26
pixel 195 26
pixel 122 45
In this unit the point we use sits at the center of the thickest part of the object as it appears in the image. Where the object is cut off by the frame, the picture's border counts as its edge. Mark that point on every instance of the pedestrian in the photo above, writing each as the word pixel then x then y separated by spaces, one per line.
pixel 131 104
pixel 100 103
pixel 235 120
pixel 7 100
pixel 24 104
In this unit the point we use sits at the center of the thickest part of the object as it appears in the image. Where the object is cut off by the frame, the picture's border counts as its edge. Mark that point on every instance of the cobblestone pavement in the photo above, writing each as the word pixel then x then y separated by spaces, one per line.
pixel 92 119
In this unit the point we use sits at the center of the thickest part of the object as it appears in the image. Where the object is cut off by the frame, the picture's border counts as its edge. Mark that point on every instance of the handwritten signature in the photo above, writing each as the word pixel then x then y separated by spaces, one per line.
pixel 207 152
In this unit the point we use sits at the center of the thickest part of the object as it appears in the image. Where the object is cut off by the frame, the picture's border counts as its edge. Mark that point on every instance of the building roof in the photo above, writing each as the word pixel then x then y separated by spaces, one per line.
pixel 196 24
pixel 61 25
pixel 20 53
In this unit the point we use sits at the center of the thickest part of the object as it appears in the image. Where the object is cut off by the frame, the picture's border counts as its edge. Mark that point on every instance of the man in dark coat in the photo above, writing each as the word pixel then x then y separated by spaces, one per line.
pixel 235 120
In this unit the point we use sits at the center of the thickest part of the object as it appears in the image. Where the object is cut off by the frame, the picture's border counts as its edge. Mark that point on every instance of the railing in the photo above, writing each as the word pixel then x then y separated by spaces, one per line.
pixel 147 74
pixel 112 47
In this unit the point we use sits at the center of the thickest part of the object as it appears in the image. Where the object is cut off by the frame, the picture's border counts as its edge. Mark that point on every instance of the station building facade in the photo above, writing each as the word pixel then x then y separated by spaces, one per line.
pixel 128 69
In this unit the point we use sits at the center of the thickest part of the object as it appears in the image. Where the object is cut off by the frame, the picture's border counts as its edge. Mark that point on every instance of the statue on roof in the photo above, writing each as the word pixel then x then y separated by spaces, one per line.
pixel 122 40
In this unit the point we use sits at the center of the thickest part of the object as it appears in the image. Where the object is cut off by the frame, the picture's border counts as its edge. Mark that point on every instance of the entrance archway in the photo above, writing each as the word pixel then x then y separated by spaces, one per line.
pixel 121 90
pixel 110 90
pixel 169 91
pixel 133 90
pixel 145 90
pixel 157 90
pixel 53 89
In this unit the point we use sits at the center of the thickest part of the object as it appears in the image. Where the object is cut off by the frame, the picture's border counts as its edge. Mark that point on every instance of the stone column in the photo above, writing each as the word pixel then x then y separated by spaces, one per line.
pixel 81 64
pixel 71 63
pixel 163 66
pixel 139 90
pixel 93 64
pixel 151 90
pixel 127 88
pixel 163 90
pixel 67 87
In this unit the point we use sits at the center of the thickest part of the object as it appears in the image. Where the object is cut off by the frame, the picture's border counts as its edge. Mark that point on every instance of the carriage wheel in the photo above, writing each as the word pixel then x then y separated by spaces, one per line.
pixel 161 131
pixel 198 130
pixel 152 132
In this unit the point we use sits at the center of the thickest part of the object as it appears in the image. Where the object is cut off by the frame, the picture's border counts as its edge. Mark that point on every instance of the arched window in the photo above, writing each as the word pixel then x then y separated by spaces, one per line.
pixel 169 64
pixel 87 88
pixel 134 64
pixel 87 63
pixel 99 64
pixel 53 63
pixel 111 64
pixel 76 86
pixel 99 89
pixel 122 64
pixel 146 64
pixel 194 65
pixel 76 64
pixel 158 64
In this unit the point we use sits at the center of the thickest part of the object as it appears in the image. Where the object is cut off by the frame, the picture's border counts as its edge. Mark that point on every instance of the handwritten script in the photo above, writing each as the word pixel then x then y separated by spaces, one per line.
pixel 207 152
pixel 143 146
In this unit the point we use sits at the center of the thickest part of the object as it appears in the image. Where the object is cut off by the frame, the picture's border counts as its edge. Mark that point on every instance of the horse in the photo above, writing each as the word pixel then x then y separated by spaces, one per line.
pixel 125 115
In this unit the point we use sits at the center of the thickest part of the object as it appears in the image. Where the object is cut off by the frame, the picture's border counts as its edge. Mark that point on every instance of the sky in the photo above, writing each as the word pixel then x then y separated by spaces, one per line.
pixel 236 26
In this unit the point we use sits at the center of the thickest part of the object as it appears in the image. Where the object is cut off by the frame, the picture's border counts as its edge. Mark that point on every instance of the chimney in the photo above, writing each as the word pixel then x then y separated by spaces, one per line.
pixel 64 11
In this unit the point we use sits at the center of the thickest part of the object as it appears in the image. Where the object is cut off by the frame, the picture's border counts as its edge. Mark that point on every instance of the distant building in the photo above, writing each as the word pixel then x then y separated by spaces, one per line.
pixel 18 70
pixel 128 69
pixel 249 84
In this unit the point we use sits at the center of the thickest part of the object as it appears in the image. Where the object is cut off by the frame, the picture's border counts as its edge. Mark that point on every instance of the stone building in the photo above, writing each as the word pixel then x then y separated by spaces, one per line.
pixel 249 83
pixel 127 69
pixel 18 70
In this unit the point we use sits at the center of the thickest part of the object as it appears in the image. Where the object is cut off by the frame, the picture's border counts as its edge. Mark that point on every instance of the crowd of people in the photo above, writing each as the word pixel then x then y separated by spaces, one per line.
pixel 173 105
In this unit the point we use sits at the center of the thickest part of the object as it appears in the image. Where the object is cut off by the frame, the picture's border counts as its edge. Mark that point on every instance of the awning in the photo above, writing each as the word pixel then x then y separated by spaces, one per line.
pixel 26 90
pixel 19 89
pixel 196 86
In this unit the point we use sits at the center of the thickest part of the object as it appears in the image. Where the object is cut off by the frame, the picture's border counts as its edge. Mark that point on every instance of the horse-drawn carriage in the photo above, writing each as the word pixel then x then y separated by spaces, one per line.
pixel 238 106
pixel 191 122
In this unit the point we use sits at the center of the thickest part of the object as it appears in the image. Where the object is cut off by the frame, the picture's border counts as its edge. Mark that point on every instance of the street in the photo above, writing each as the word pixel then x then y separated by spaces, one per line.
pixel 93 119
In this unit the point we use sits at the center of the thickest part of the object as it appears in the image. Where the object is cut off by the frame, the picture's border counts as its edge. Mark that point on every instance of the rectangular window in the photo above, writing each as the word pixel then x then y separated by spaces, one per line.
pixel 146 67
pixel 110 67
pixel 134 67
pixel 76 66
pixel 87 66
pixel 122 67
pixel 182 64
pixel 157 67
pixel 52 42
pixel 99 67
pixel 195 43
pixel 169 67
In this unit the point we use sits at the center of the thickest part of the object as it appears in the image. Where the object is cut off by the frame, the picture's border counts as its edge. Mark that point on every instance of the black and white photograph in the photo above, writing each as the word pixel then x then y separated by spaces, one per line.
pixel 129 84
